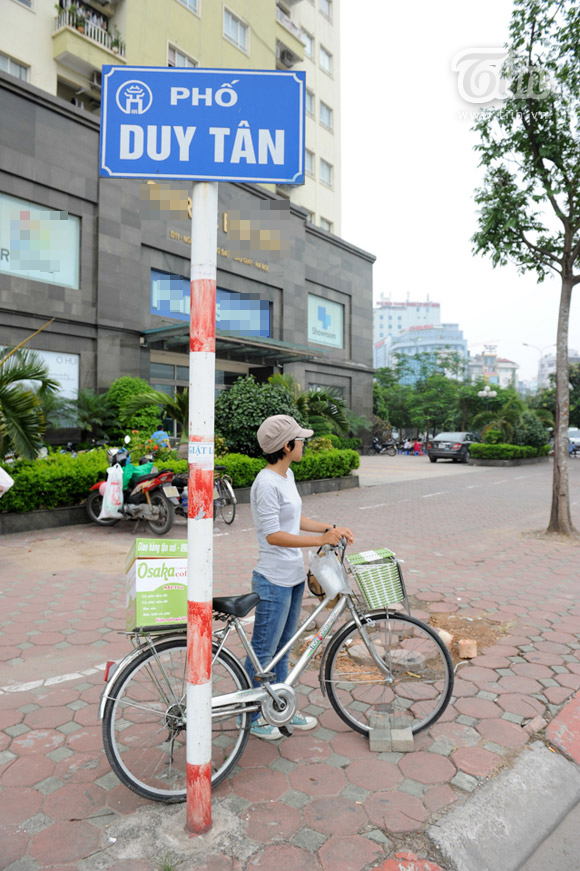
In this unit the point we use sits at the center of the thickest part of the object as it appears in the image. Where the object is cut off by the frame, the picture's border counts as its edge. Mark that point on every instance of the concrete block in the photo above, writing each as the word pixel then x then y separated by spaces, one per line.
pixel 380 740
pixel 467 648
pixel 402 740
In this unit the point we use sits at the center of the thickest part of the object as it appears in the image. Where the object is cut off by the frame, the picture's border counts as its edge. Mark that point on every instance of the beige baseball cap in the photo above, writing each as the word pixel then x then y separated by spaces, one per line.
pixel 279 429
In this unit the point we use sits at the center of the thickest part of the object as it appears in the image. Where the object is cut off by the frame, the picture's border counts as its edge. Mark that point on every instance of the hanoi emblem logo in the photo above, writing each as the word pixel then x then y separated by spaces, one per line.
pixel 134 98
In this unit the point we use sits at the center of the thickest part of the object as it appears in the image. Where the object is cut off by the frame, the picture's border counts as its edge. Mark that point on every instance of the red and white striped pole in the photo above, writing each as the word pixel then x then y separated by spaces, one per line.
pixel 200 504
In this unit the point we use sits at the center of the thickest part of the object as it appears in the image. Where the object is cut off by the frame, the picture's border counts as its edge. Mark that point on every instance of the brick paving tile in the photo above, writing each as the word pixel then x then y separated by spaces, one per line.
pixel 373 774
pixel 515 684
pixel 395 811
pixel 334 816
pixel 551 647
pixel 133 865
pixel 82 767
pixel 258 754
pixel 517 703
pixel 17 805
pixel 351 744
pixel 285 857
pixel 260 784
pixel 559 637
pixel 543 658
pixel 10 701
pixel 502 732
pixel 532 669
pixel 459 734
pixel 463 687
pixel 406 861
pixel 557 695
pixel 569 680
pixel 37 741
pixel 26 771
pixel 475 760
pixel 48 718
pixel 437 797
pixel 10 718
pixel 86 739
pixel 65 842
pixel 123 801
pixel 318 779
pixel 77 801
pixel 489 661
pixel 49 697
pixel 13 845
pixel 269 821
pixel 478 675
pixel 427 767
pixel 478 708
pixel 305 747
pixel 348 853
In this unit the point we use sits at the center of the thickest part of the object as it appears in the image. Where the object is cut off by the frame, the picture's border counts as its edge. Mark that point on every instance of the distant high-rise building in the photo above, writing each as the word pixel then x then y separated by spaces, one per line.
pixel 493 369
pixel 437 342
pixel 62 50
pixel 392 318
pixel 547 367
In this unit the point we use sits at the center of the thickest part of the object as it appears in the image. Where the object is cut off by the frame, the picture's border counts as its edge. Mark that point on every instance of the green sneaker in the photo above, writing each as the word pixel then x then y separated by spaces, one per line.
pixel 303 722
pixel 261 729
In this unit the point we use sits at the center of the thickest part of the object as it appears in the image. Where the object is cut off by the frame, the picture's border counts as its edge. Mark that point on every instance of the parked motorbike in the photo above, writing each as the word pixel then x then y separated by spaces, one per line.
pixel 150 496
pixel 379 447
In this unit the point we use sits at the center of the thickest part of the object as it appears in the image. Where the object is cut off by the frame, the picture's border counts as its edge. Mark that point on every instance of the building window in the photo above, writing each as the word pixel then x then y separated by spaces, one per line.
pixel 326 172
pixel 235 31
pixel 27 3
pixel 192 5
pixel 327 225
pixel 308 42
pixel 325 60
pixel 309 162
pixel 309 216
pixel 326 8
pixel 13 68
pixel 310 103
pixel 176 58
pixel 325 116
pixel 325 322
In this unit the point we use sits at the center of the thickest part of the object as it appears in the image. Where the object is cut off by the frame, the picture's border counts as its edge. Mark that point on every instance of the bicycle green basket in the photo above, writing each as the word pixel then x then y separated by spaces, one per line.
pixel 379 577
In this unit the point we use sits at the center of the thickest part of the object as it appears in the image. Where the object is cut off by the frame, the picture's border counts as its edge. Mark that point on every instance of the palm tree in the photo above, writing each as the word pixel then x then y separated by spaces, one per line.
pixel 322 407
pixel 176 407
pixel 91 412
pixel 504 419
pixel 22 423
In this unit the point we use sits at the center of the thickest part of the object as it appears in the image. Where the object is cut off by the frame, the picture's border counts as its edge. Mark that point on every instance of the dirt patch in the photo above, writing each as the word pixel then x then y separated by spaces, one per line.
pixel 484 630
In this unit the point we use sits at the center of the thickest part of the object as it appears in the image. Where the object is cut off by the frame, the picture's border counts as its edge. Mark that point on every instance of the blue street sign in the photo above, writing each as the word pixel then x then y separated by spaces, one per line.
pixel 208 125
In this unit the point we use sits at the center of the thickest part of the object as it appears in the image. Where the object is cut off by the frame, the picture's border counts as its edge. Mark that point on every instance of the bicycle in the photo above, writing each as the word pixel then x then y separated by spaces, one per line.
pixel 381 660
pixel 224 499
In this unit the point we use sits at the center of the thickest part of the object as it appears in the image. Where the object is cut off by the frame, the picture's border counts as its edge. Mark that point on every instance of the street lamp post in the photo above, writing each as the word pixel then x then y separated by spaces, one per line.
pixel 540 351
pixel 487 393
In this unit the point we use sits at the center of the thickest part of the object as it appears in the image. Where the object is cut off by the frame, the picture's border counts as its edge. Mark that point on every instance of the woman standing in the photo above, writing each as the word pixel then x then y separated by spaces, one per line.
pixel 279 575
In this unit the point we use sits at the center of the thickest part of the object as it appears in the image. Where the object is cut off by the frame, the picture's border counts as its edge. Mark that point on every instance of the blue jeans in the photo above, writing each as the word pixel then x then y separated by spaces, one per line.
pixel 276 619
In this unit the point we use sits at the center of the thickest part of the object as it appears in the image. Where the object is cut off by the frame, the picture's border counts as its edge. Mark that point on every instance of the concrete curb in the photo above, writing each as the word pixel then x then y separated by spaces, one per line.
pixel 310 488
pixel 524 461
pixel 503 824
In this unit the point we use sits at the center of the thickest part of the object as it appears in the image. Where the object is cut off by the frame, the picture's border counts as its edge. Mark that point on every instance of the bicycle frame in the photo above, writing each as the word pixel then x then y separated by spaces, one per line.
pixel 253 697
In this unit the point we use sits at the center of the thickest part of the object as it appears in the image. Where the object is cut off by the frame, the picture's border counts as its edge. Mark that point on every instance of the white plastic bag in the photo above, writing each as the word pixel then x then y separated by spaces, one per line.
pixel 6 482
pixel 329 571
pixel 113 498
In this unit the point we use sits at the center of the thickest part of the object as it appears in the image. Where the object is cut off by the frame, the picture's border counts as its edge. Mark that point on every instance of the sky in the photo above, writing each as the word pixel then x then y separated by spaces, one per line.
pixel 409 173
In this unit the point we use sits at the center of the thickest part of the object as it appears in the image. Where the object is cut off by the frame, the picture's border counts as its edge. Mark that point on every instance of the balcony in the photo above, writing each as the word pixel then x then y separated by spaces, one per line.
pixel 83 46
pixel 289 47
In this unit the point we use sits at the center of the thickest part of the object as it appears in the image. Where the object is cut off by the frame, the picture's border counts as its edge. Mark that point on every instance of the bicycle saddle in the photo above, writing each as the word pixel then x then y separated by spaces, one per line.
pixel 238 606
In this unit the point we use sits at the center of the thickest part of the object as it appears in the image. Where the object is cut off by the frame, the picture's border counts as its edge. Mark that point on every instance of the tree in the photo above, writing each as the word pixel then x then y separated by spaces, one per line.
pixel 530 198
pixel 22 423
pixel 118 395
pixel 504 418
pixel 240 410
pixel 92 413
pixel 323 409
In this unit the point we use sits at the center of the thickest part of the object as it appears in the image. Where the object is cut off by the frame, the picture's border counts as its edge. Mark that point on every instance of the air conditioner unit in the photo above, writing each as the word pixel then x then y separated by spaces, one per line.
pixel 97 79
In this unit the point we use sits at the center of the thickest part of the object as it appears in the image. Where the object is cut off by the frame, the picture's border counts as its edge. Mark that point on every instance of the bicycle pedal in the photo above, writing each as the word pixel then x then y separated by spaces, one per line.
pixel 267 676
pixel 286 731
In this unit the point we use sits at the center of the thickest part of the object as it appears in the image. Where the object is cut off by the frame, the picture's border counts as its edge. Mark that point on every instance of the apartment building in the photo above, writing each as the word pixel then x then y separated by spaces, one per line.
pixel 61 48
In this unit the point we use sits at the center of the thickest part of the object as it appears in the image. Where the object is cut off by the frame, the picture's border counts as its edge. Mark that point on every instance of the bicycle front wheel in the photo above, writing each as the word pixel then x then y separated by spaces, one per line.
pixel 227 502
pixel 144 722
pixel 414 687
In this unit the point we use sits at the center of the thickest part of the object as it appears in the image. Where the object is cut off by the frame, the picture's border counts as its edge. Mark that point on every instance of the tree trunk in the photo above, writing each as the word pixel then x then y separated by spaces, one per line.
pixel 560 518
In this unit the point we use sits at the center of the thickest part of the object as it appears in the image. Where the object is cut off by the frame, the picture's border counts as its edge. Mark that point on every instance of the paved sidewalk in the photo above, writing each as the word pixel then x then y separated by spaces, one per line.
pixel 318 801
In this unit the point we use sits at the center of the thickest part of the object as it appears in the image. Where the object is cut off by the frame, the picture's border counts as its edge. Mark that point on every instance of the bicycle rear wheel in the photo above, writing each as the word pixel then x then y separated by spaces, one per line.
pixel 419 680
pixel 144 722
pixel 227 502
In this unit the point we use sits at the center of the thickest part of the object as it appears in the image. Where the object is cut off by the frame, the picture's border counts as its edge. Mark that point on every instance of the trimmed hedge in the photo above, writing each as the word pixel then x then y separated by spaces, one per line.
pixel 507 452
pixel 62 479
pixel 345 444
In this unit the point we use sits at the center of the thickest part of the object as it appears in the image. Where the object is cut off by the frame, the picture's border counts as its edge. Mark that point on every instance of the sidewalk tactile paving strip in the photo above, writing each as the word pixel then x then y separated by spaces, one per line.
pixel 321 800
